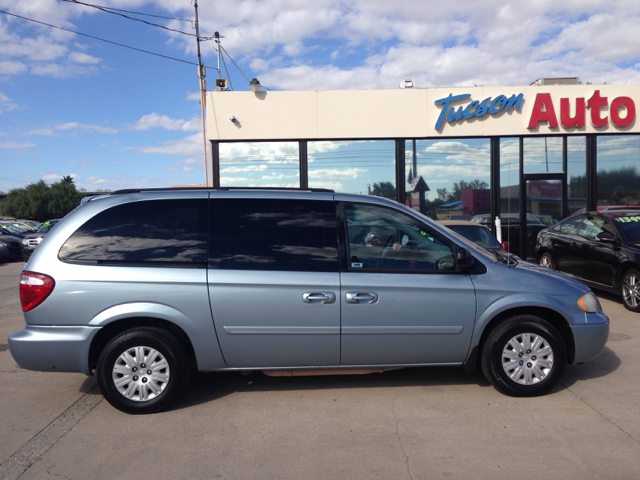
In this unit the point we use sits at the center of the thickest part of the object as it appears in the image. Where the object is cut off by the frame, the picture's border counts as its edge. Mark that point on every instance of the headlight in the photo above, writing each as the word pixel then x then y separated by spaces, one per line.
pixel 25 241
pixel 589 303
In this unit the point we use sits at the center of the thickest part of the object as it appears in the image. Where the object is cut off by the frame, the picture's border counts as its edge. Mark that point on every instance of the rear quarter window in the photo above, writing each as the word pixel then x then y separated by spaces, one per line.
pixel 149 232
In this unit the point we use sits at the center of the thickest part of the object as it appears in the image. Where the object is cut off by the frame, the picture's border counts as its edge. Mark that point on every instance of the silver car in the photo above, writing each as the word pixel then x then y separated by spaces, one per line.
pixel 141 287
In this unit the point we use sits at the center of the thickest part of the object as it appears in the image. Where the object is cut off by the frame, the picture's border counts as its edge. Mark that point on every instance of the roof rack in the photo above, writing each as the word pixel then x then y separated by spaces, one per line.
pixel 158 189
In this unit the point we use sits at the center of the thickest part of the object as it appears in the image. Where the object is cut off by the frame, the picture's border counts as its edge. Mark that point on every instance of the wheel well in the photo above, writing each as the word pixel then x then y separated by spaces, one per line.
pixel 621 272
pixel 554 318
pixel 109 331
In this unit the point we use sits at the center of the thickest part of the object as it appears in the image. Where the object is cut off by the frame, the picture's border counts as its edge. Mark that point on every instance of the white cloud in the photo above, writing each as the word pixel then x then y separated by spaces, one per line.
pixel 84 127
pixel 79 57
pixel 16 145
pixel 6 103
pixel 190 145
pixel 56 177
pixel 155 120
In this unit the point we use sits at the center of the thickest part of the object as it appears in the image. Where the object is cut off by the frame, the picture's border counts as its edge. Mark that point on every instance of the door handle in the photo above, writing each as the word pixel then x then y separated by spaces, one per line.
pixel 319 297
pixel 362 297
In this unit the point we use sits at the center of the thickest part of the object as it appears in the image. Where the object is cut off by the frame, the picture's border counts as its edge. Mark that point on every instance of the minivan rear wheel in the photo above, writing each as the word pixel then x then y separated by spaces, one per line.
pixel 524 356
pixel 143 370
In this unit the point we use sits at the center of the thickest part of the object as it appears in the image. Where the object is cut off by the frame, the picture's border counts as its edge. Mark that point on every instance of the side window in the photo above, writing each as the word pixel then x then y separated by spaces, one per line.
pixel 382 238
pixel 171 232
pixel 259 234
pixel 591 227
pixel 571 226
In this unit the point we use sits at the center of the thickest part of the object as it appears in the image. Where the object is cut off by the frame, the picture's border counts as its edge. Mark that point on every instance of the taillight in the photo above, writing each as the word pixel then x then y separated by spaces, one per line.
pixel 505 245
pixel 34 288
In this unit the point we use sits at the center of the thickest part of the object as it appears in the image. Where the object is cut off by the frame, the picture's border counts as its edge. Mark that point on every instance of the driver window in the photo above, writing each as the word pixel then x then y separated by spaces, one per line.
pixel 381 238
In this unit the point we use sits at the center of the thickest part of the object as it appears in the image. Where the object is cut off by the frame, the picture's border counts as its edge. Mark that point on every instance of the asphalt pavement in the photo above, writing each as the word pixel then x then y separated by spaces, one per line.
pixel 407 424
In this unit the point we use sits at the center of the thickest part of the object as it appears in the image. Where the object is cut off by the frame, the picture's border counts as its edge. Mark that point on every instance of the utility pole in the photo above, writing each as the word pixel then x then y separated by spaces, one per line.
pixel 201 75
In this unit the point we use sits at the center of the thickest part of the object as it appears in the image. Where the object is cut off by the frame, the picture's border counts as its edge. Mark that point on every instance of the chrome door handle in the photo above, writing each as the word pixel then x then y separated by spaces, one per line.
pixel 361 297
pixel 319 297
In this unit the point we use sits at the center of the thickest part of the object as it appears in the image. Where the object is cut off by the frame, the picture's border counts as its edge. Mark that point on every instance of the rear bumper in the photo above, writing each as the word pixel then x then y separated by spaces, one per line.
pixel 53 349
pixel 590 338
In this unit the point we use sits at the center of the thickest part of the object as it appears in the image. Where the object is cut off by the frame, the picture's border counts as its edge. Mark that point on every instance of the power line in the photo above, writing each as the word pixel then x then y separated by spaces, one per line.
pixel 136 13
pixel 100 39
pixel 109 10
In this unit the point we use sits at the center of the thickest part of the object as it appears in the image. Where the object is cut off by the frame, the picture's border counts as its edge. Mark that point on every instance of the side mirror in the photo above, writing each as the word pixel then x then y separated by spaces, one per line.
pixel 605 237
pixel 464 258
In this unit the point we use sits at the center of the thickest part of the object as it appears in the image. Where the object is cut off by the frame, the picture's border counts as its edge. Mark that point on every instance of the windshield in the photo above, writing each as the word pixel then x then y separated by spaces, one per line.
pixel 629 223
pixel 12 229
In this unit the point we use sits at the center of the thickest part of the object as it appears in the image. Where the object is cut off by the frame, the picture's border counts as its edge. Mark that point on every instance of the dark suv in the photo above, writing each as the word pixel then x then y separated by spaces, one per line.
pixel 142 286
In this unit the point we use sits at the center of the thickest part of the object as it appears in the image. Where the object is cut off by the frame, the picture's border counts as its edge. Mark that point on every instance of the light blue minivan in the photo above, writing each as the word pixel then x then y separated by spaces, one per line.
pixel 140 287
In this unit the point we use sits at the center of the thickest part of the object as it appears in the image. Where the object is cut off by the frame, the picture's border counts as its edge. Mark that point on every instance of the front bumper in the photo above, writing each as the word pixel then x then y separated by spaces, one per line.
pixel 590 337
pixel 53 349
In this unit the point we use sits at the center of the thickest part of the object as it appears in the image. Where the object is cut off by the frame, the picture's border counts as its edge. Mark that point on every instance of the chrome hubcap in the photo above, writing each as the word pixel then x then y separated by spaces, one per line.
pixel 630 291
pixel 545 261
pixel 141 373
pixel 527 358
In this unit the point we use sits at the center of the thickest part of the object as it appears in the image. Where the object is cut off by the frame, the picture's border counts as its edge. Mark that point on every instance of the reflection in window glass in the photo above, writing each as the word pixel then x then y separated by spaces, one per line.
pixel 544 200
pixel 250 234
pixel 509 175
pixel 366 167
pixel 381 238
pixel 618 174
pixel 151 232
pixel 448 178
pixel 542 154
pixel 576 173
pixel 260 164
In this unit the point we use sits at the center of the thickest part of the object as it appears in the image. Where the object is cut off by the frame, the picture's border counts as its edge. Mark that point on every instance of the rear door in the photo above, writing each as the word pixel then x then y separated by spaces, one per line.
pixel 403 301
pixel 274 280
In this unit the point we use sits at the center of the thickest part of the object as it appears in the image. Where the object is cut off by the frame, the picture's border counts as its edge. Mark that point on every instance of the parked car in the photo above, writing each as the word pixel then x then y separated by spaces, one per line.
pixel 510 229
pixel 10 248
pixel 32 240
pixel 7 229
pixel 601 249
pixel 142 286
pixel 477 233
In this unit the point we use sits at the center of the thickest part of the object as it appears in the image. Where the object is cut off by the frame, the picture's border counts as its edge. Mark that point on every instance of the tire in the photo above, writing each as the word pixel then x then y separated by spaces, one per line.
pixel 153 389
pixel 546 260
pixel 631 290
pixel 516 370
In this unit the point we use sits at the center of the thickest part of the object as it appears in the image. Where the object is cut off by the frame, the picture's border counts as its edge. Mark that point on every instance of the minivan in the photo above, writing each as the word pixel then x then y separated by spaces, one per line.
pixel 140 287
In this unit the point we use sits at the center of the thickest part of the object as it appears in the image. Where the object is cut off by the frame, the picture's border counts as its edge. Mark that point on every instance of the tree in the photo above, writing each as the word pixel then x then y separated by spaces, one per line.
pixel 443 194
pixel 384 189
pixel 458 187
pixel 41 202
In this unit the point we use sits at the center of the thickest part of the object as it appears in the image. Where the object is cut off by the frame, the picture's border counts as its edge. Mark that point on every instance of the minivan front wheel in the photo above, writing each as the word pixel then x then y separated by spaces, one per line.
pixel 142 370
pixel 524 356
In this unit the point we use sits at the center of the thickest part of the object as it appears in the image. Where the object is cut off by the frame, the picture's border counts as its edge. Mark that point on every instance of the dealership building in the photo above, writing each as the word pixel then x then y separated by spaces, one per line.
pixel 546 150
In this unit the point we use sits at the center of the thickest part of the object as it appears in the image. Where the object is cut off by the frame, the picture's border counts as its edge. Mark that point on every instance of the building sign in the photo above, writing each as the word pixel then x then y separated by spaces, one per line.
pixel 475 108
pixel 544 111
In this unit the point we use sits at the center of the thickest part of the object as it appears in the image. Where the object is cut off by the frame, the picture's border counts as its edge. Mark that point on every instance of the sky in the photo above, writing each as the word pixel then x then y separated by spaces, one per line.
pixel 114 117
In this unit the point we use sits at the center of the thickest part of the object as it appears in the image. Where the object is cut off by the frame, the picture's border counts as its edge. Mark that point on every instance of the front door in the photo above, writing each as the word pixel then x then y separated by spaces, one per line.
pixel 403 300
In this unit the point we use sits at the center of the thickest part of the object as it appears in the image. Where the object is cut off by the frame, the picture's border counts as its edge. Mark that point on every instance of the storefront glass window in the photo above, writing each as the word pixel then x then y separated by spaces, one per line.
pixel 618 170
pixel 542 154
pixel 448 178
pixel 509 175
pixel 353 166
pixel 260 164
pixel 576 173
